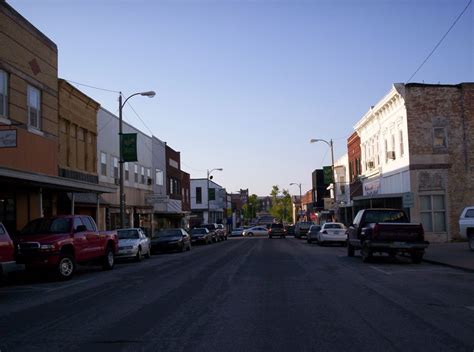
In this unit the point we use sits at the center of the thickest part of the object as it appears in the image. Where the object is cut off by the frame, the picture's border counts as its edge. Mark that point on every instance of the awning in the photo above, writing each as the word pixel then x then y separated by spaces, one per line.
pixel 55 182
pixel 87 198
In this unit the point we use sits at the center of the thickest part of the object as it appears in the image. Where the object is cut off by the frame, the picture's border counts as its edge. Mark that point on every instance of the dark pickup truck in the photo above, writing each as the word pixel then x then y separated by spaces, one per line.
pixel 59 243
pixel 385 231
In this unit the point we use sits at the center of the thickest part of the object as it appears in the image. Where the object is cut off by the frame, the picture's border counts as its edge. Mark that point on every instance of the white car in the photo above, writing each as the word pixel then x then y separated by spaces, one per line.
pixel 466 225
pixel 332 232
pixel 237 232
pixel 256 231
pixel 133 243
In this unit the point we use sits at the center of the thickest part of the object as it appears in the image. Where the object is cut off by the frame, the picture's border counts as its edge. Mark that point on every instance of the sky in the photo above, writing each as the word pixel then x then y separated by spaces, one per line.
pixel 244 85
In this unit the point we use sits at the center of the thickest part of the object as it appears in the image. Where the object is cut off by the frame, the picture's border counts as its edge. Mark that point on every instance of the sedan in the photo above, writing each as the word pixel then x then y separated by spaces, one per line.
pixel 312 234
pixel 133 243
pixel 201 235
pixel 171 239
pixel 255 231
pixel 237 232
pixel 332 232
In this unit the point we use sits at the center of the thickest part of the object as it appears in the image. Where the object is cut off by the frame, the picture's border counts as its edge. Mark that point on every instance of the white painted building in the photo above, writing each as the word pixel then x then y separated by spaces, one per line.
pixel 204 210
pixel 341 171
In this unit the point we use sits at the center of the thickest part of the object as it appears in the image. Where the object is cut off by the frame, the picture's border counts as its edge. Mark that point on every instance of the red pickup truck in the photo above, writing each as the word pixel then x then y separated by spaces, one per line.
pixel 59 243
pixel 7 252
pixel 385 231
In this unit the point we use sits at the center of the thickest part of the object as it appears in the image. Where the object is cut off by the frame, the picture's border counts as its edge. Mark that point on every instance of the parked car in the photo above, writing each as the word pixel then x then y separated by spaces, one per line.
pixel 171 239
pixel 133 243
pixel 466 225
pixel 61 242
pixel 276 230
pixel 255 231
pixel 332 232
pixel 302 228
pixel 290 230
pixel 385 231
pixel 223 229
pixel 201 235
pixel 7 252
pixel 237 232
pixel 312 234
pixel 216 236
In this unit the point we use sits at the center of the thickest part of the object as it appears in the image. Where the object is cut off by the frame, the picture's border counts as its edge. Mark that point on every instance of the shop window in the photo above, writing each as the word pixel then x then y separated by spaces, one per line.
pixel 159 177
pixel 3 93
pixel 34 107
pixel 433 213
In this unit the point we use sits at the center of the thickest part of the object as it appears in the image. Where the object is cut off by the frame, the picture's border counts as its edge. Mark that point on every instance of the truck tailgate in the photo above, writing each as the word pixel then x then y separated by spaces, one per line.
pixel 399 232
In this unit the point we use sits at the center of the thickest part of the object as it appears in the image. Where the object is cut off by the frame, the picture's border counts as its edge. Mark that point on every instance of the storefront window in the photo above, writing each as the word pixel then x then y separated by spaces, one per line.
pixel 433 213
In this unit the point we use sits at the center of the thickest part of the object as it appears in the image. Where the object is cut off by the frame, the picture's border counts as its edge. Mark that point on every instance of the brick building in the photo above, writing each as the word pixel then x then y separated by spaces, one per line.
pixel 417 152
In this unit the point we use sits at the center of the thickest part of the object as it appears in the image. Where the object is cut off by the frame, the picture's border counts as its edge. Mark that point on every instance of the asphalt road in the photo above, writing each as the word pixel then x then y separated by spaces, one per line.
pixel 244 294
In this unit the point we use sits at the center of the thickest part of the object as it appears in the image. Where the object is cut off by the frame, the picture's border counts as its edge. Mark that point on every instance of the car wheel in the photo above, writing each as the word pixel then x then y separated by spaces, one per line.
pixel 183 247
pixel 66 267
pixel 148 254
pixel 109 259
pixel 139 256
pixel 470 238
pixel 366 253
pixel 250 233
pixel 350 250
pixel 416 257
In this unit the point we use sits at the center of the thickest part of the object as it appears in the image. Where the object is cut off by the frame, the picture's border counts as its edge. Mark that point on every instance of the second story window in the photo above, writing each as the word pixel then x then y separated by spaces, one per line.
pixel 400 135
pixel 3 93
pixel 439 137
pixel 198 195
pixel 136 173
pixel 148 176
pixel 34 107
pixel 142 180
pixel 127 172
pixel 212 194
pixel 116 168
pixel 103 164
pixel 158 177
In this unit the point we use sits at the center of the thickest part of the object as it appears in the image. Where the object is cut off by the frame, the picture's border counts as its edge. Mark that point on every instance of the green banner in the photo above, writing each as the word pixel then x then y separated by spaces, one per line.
pixel 129 147
pixel 328 176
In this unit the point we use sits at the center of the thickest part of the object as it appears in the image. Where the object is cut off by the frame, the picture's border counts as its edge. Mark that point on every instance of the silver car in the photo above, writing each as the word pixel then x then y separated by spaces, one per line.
pixel 133 243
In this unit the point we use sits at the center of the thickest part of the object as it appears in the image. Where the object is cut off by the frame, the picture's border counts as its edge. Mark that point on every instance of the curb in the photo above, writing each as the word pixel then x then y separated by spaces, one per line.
pixel 449 265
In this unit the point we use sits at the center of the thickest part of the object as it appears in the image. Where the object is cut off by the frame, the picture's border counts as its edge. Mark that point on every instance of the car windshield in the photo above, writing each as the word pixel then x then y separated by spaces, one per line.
pixel 199 231
pixel 168 233
pixel 127 234
pixel 385 216
pixel 334 226
pixel 43 225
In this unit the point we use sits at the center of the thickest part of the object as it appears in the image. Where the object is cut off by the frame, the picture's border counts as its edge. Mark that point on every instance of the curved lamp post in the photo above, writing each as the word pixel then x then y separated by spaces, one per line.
pixel 209 175
pixel 330 144
pixel 149 94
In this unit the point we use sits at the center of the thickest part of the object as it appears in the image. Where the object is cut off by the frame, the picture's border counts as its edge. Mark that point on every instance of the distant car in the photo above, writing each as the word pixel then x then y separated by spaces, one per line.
pixel 276 230
pixel 290 230
pixel 171 239
pixel 133 243
pixel 466 225
pixel 255 231
pixel 332 232
pixel 201 235
pixel 237 232
pixel 222 231
pixel 312 234
pixel 301 228
pixel 215 233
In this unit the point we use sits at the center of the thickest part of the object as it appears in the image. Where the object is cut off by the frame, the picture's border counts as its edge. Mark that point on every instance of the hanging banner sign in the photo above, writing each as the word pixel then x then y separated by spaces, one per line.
pixel 328 176
pixel 129 147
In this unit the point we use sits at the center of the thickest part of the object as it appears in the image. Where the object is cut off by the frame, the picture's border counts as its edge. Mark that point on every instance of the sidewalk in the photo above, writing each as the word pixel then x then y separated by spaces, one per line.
pixel 456 255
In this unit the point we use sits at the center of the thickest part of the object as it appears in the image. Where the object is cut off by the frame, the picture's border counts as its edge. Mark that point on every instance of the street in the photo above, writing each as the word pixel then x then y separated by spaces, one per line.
pixel 244 294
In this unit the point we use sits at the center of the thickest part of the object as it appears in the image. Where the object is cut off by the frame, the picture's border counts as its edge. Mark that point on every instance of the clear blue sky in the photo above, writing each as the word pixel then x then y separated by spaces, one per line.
pixel 244 85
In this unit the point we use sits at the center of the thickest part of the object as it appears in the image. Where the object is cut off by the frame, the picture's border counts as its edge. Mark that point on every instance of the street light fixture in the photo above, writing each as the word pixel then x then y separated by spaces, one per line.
pixel 301 203
pixel 208 176
pixel 149 94
pixel 330 144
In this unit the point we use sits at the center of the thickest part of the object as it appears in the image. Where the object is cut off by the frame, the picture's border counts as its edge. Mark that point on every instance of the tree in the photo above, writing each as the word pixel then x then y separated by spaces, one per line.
pixel 281 204
pixel 250 208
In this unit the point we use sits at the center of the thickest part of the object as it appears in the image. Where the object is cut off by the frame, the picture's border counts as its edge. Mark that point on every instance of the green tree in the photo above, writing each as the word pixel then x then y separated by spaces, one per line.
pixel 250 208
pixel 281 204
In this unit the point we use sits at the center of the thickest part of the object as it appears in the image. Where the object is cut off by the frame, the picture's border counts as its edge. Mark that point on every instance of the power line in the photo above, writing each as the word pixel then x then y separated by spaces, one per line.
pixel 439 42
pixel 93 87
pixel 143 122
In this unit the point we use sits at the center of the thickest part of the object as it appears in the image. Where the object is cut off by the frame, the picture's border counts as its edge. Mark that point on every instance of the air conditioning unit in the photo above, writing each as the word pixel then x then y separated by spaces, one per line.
pixel 391 155
pixel 149 181
pixel 116 181
pixel 370 164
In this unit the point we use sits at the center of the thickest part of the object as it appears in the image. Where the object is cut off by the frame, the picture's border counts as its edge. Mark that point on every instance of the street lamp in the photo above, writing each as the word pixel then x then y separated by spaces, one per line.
pixel 301 203
pixel 149 94
pixel 209 175
pixel 330 144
